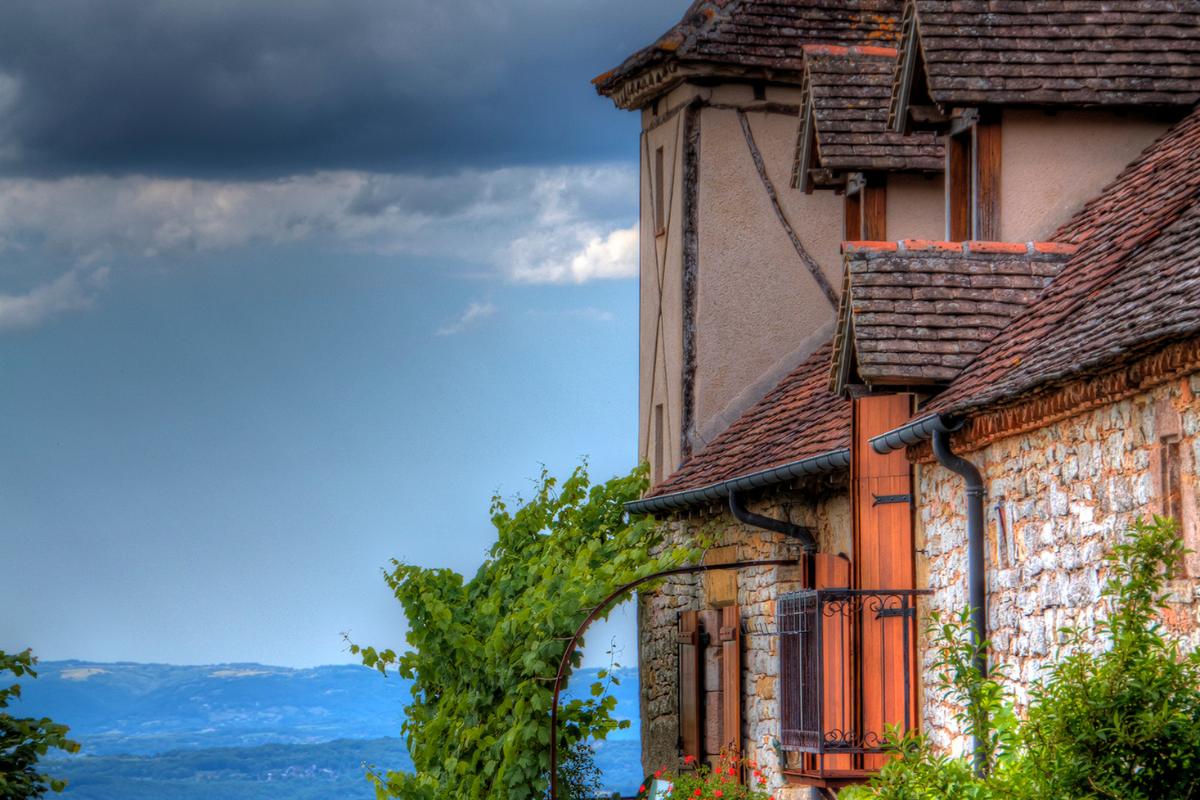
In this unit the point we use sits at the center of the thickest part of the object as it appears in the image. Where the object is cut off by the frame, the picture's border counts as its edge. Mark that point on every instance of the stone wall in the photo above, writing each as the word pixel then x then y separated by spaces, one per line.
pixel 757 588
pixel 1058 498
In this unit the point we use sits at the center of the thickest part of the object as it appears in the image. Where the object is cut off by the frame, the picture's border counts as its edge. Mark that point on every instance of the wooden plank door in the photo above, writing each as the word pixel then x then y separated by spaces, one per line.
pixel 690 683
pixel 883 559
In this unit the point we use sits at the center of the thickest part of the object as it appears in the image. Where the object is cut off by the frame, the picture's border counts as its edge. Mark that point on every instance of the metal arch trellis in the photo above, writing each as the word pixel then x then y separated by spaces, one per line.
pixel 566 657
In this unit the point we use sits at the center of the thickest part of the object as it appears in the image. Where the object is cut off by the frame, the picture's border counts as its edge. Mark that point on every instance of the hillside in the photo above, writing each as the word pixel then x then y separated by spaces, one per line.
pixel 248 731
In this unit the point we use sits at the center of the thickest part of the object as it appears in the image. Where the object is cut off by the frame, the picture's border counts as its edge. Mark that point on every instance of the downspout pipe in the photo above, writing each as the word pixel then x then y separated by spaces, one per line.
pixel 741 514
pixel 938 430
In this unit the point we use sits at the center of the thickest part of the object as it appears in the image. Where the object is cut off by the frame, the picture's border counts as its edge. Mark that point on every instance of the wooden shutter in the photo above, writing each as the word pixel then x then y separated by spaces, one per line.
pixel 731 678
pixel 837 676
pixel 690 684
pixel 883 559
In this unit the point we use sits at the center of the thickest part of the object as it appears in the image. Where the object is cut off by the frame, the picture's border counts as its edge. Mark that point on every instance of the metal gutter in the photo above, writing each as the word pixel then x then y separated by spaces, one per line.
pixel 914 432
pixel 815 465
pixel 938 429
pixel 805 534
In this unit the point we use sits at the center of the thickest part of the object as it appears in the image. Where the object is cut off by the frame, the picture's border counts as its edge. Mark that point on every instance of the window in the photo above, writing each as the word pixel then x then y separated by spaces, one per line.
pixel 658 444
pixel 1171 487
pixel 660 219
pixel 973 178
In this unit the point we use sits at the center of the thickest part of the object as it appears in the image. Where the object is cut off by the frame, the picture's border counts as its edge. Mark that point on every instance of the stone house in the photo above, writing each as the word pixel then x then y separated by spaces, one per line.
pixel 920 315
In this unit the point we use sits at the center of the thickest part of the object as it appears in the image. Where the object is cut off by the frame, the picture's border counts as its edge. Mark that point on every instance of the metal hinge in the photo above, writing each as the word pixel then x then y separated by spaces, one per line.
pixel 911 611
pixel 880 499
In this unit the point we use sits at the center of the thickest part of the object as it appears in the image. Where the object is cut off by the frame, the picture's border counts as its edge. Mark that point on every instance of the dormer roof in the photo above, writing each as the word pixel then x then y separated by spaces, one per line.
pixel 915 313
pixel 843 116
pixel 761 40
pixel 1049 53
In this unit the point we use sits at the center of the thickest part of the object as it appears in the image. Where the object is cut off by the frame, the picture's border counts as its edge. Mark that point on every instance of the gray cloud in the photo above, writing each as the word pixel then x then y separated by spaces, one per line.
pixel 529 224
pixel 271 87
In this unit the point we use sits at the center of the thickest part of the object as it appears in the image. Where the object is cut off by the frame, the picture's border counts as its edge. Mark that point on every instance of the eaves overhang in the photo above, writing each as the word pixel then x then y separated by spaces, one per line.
pixel 814 465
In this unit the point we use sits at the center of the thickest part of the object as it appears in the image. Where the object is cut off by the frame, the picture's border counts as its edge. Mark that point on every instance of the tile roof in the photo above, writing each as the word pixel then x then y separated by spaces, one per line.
pixel 798 419
pixel 764 34
pixel 1134 284
pixel 847 91
pixel 1079 52
pixel 917 312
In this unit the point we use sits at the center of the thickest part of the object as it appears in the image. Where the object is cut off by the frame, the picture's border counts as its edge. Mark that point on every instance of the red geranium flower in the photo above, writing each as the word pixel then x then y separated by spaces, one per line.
pixel 689 759
pixel 641 788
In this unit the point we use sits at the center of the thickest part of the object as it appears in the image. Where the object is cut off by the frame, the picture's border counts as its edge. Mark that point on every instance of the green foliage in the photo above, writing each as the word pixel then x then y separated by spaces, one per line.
pixel 1124 723
pixel 484 652
pixel 23 741
pixel 1121 723
pixel 986 714
pixel 578 776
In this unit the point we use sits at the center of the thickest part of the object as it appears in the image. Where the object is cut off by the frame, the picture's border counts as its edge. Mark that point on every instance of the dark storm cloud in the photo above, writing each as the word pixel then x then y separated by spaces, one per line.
pixel 265 87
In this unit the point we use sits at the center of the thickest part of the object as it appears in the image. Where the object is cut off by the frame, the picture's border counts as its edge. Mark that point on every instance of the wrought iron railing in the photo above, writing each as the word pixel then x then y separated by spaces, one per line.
pixel 847 669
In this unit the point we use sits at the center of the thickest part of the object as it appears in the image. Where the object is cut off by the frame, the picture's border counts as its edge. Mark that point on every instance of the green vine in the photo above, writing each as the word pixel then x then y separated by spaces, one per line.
pixel 483 653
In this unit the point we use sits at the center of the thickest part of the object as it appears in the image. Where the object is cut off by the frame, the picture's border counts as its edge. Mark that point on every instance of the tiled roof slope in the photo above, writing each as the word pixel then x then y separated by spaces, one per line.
pixel 1134 283
pixel 848 93
pixel 798 419
pixel 918 312
pixel 1091 52
pixel 767 34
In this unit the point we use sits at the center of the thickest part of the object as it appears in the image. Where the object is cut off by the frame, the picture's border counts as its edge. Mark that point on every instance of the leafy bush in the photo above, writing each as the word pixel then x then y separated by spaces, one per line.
pixel 485 651
pixel 1121 723
pixel 23 741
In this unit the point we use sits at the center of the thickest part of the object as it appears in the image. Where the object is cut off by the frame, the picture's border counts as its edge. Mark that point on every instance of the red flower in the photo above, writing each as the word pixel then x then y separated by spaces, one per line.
pixel 689 759
pixel 718 793
pixel 732 771
pixel 641 788
pixel 697 793
pixel 658 774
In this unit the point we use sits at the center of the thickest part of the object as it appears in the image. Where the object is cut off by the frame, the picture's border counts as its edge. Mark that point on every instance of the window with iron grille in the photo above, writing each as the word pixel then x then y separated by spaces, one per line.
pixel 847 670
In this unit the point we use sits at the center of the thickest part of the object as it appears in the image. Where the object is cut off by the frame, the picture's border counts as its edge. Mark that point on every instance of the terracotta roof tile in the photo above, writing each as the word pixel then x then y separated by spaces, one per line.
pixel 1088 52
pixel 847 90
pixel 1134 283
pixel 917 312
pixel 769 34
pixel 798 419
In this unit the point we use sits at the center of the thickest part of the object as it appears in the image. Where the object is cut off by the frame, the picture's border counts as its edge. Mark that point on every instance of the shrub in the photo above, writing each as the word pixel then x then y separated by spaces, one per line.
pixel 1122 722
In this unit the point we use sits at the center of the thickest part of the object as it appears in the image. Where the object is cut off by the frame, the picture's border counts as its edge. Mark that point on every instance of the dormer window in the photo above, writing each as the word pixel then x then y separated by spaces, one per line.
pixel 973 176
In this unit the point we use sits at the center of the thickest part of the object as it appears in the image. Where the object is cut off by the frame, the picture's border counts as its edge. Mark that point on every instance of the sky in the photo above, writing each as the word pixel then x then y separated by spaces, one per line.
pixel 291 288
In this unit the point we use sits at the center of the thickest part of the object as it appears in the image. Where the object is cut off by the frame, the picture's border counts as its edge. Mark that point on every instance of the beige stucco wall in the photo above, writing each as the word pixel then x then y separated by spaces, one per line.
pixel 1065 494
pixel 1052 165
pixel 757 305
pixel 759 312
pixel 916 207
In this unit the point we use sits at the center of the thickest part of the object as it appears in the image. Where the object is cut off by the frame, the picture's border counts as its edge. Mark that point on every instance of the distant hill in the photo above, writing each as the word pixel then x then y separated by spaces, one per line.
pixel 248 731
pixel 329 771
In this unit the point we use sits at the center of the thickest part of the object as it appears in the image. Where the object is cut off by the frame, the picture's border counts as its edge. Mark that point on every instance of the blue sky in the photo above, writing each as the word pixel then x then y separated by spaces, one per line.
pixel 288 289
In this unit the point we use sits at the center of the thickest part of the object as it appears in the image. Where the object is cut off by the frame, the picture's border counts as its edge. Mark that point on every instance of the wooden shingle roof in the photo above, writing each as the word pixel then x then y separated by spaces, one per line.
pixel 798 419
pixel 1054 52
pixel 765 36
pixel 846 93
pixel 915 312
pixel 1133 286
